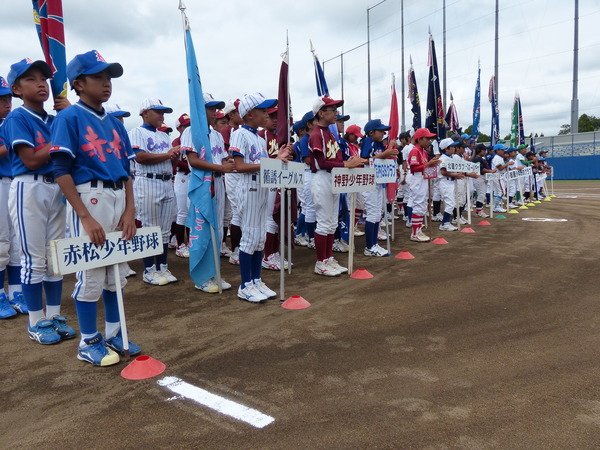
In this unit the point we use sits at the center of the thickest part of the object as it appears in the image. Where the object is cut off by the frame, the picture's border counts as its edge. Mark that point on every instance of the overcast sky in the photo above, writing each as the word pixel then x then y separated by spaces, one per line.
pixel 238 45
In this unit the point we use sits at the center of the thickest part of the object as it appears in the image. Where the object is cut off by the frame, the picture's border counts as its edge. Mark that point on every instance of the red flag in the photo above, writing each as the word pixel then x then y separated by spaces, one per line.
pixel 284 111
pixel 394 117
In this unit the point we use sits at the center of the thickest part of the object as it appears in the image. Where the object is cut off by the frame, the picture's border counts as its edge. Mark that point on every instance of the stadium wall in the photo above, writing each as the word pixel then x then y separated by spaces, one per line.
pixel 576 167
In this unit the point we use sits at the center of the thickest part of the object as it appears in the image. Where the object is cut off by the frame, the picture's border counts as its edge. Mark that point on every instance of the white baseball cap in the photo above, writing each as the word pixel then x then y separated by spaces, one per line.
pixel 256 100
pixel 154 103
pixel 209 100
pixel 229 106
pixel 325 100
pixel 115 110
pixel 445 143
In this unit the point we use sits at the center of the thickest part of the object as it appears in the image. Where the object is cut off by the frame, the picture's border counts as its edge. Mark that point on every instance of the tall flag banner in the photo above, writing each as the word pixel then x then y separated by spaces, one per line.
pixel 48 18
pixel 322 88
pixel 201 217
pixel 434 115
pixel 394 116
pixel 493 97
pixel 477 106
pixel 521 127
pixel 452 117
pixel 413 96
pixel 514 123
pixel 284 110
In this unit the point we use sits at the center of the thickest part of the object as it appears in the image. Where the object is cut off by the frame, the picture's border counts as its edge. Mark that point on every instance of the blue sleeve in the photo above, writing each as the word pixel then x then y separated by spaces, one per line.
pixel 365 148
pixel 18 132
pixel 63 163
pixel 64 137
pixel 304 149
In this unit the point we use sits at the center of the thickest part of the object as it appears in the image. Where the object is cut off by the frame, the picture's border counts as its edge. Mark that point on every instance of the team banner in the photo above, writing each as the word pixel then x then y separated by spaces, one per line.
pixel 284 110
pixel 275 173
pixel 493 176
pixel 477 106
pixel 515 138
pixel 452 117
pixel 78 253
pixel 493 97
pixel 413 96
pixel 353 180
pixel 520 173
pixel 434 116
pixel 460 166
pixel 385 170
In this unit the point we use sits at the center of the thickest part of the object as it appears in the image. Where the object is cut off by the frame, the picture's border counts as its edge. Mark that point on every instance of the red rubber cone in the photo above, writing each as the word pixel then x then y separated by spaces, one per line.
pixel 439 241
pixel 484 223
pixel 467 230
pixel 405 255
pixel 361 274
pixel 143 367
pixel 295 302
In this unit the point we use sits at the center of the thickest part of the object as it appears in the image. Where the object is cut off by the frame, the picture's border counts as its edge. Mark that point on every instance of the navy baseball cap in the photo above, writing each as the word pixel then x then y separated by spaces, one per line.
pixel 210 101
pixel 500 147
pixel 298 126
pixel 375 124
pixel 4 88
pixel 343 118
pixel 19 68
pixel 308 117
pixel 90 63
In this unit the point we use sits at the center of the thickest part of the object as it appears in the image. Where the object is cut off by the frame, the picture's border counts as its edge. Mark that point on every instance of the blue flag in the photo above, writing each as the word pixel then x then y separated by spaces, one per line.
pixel 477 106
pixel 322 90
pixel 201 216
pixel 493 97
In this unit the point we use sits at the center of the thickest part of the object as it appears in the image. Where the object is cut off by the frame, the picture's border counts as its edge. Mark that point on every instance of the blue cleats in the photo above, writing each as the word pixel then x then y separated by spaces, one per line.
pixel 95 352
pixel 6 309
pixel 18 303
pixel 116 343
pixel 61 327
pixel 44 333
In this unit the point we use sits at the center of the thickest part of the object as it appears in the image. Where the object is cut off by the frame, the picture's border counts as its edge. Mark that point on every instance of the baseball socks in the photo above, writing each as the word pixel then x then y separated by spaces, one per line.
pixel 246 260
pixel 437 206
pixel 300 225
pixel 235 235
pixel 15 295
pixel 32 293
pixel 321 243
pixel 417 223
pixel 371 233
pixel 53 291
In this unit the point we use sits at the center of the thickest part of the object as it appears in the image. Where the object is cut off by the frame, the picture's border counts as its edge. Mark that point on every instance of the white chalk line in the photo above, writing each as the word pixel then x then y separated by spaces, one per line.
pixel 222 405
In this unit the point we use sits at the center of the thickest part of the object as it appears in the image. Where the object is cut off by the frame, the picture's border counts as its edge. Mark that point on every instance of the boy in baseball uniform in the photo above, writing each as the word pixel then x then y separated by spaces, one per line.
pixel 447 183
pixel 153 189
pixel 91 154
pixel 35 201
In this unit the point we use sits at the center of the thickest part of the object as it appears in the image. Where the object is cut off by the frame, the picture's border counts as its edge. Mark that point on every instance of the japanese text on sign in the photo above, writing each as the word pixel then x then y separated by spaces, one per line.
pixel 275 173
pixel 385 170
pixel 353 180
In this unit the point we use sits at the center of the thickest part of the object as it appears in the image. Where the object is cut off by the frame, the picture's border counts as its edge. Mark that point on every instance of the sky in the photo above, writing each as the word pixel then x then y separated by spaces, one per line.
pixel 239 46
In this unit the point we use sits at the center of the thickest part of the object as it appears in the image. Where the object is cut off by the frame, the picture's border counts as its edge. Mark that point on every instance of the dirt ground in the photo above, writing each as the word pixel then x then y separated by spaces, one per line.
pixel 491 341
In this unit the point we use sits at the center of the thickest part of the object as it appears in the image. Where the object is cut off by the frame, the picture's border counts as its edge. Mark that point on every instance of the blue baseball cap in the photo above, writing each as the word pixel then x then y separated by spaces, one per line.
pixel 115 110
pixel 19 68
pixel 210 101
pixel 90 63
pixel 512 149
pixel 308 117
pixel 255 101
pixel 343 118
pixel 4 88
pixel 500 147
pixel 375 124
pixel 298 126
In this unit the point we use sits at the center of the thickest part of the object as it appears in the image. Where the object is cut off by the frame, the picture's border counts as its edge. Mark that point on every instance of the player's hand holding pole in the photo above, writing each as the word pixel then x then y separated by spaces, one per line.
pixel 228 165
pixel 355 161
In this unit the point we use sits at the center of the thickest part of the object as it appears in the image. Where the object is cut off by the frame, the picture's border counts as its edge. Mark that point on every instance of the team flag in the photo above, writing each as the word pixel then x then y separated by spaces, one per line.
pixel 48 18
pixel 394 116
pixel 284 110
pixel 322 88
pixel 413 96
pixel 452 117
pixel 201 217
pixel 493 97
pixel 434 115
pixel 515 138
pixel 477 106
pixel 521 128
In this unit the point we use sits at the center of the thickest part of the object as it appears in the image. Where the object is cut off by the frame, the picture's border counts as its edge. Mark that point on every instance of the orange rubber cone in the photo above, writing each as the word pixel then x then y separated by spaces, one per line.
pixel 484 222
pixel 361 274
pixel 143 367
pixel 467 230
pixel 405 255
pixel 295 302
pixel 439 241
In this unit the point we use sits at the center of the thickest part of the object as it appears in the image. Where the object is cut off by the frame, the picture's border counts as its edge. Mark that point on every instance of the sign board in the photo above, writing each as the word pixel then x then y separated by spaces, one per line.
pixel 521 173
pixel 76 254
pixel 385 170
pixel 353 180
pixel 275 173
pixel 430 172
pixel 492 176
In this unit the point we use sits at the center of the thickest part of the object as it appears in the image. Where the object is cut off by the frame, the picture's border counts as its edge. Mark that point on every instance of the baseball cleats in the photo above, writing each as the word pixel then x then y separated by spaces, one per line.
pixel 340 246
pixel 332 262
pixel 251 294
pixel 311 243
pixel 264 289
pixel 6 309
pixel 225 251
pixel 95 351
pixel 116 343
pixel 376 250
pixel 61 327
pixel 273 262
pixel 166 273
pixel 447 227
pixel 182 251
pixel 499 209
pixel 358 232
pixel 173 242
pixel 300 240
pixel 420 237
pixel 482 214
pixel 326 269
pixel 235 257
pixel 151 276
pixel 211 286
pixel 44 333
pixel 131 273
pixel 18 303
pixel 381 235
pixel 437 218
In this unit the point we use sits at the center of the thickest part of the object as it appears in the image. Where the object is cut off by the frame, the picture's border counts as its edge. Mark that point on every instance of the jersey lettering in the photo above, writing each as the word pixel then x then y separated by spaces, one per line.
pixel 94 145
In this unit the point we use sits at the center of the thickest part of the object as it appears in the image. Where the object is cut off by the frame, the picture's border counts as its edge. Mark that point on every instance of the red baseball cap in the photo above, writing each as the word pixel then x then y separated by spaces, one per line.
pixel 272 110
pixel 165 128
pixel 355 130
pixel 421 133
pixel 325 101
pixel 220 114
pixel 183 121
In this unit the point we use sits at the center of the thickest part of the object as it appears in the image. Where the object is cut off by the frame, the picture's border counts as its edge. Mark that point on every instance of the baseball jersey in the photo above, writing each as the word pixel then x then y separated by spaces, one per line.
pixel 26 126
pixel 246 142
pixel 370 148
pixel 417 158
pixel 321 139
pixel 344 148
pixel 271 139
pixel 97 142
pixel 217 145
pixel 483 164
pixel 5 163
pixel 148 139
pixel 304 148
pixel 498 160
pixel 519 161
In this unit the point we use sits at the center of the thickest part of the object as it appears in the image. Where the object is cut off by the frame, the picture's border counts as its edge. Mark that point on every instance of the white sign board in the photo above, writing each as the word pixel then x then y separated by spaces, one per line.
pixel 76 254
pixel 492 176
pixel 385 170
pixel 521 173
pixel 352 180
pixel 275 173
